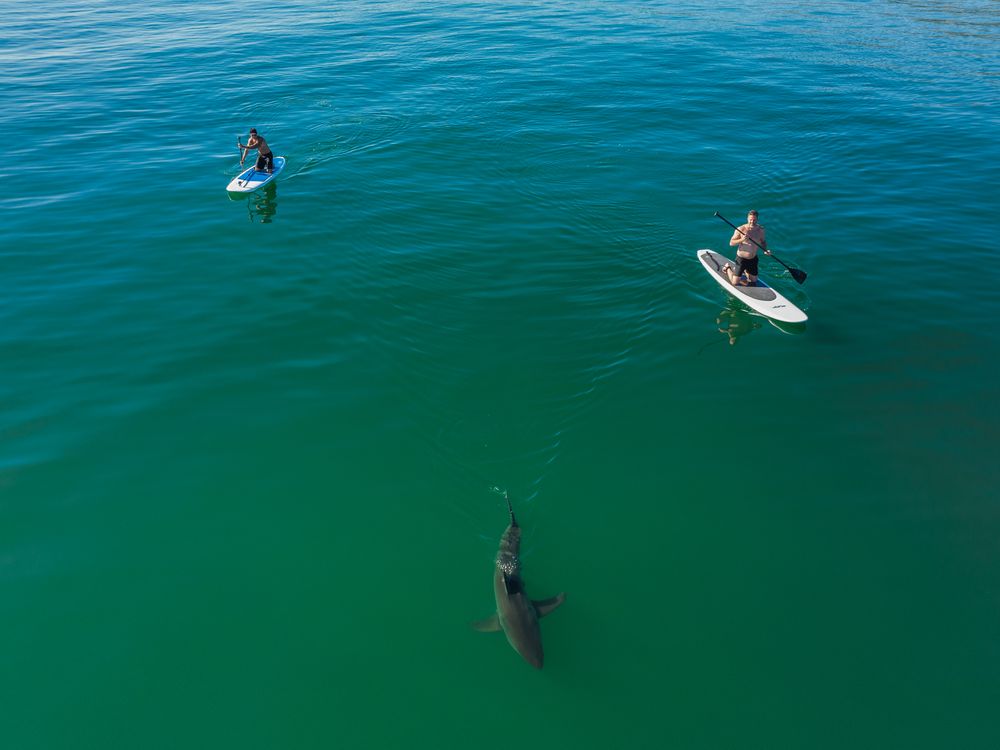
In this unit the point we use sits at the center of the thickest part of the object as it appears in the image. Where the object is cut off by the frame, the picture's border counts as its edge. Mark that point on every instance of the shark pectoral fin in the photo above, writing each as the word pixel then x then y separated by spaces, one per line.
pixel 489 625
pixel 547 605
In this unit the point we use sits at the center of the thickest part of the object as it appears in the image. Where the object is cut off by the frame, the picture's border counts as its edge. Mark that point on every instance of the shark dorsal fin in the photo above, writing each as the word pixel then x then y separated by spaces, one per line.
pixel 512 584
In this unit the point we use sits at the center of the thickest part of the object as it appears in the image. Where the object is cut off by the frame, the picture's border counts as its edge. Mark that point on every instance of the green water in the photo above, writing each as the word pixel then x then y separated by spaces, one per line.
pixel 252 451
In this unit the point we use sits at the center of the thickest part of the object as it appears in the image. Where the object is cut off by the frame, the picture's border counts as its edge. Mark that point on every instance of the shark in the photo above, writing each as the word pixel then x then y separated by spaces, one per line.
pixel 516 614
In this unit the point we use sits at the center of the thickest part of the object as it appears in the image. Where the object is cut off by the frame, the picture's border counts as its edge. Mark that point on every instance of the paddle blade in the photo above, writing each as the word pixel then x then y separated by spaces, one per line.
pixel 798 274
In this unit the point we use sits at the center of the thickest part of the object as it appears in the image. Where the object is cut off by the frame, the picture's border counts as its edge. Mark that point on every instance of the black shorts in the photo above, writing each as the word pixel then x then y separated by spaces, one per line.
pixel 748 265
pixel 265 162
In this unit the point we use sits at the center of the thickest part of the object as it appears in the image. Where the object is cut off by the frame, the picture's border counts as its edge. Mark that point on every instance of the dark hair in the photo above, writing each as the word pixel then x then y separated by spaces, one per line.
pixel 253 130
pixel 751 211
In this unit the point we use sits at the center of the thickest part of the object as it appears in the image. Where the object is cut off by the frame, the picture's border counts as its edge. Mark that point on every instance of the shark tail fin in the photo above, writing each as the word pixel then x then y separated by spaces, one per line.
pixel 510 508
pixel 545 606
pixel 489 625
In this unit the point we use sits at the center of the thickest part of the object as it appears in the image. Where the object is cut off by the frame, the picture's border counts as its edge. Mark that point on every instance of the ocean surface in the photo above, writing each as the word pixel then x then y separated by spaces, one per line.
pixel 253 450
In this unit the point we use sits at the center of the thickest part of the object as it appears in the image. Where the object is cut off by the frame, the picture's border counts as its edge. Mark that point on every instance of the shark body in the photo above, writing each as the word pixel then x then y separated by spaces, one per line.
pixel 516 614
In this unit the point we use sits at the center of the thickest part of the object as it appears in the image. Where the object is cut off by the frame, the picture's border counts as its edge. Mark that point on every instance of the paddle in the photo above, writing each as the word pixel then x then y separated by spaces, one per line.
pixel 798 274
pixel 243 155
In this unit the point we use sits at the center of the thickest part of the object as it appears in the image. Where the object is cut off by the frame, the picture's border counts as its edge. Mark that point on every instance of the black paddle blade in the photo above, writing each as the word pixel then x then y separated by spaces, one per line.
pixel 798 274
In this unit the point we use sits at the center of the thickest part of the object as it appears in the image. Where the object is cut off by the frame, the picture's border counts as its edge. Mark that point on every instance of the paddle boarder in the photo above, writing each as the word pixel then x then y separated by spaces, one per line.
pixel 265 159
pixel 745 238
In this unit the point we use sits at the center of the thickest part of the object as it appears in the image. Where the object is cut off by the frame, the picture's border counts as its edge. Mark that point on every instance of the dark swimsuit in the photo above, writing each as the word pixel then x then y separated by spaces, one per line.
pixel 265 162
pixel 746 264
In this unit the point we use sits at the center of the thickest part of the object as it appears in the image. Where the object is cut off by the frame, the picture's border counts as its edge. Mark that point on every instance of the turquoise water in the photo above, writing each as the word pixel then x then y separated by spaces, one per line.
pixel 252 451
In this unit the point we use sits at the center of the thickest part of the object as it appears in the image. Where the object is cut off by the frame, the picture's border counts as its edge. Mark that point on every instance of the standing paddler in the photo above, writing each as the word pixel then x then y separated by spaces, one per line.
pixel 265 159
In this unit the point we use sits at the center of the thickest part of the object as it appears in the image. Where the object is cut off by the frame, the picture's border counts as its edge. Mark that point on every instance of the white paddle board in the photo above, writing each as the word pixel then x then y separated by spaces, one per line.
pixel 760 297
pixel 254 179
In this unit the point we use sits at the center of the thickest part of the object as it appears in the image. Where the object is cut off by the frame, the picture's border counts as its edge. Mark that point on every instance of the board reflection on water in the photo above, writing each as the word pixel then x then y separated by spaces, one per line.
pixel 262 205
pixel 736 322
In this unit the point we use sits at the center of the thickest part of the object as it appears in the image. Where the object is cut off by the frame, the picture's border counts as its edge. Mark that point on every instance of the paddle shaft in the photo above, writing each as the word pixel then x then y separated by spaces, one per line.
pixel 797 274
pixel 243 155
pixel 741 231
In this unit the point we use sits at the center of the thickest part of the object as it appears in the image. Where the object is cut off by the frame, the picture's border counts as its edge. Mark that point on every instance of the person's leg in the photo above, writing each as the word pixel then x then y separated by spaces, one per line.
pixel 736 274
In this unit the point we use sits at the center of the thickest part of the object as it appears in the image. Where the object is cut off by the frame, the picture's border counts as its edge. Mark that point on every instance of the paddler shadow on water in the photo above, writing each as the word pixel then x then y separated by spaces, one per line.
pixel 262 205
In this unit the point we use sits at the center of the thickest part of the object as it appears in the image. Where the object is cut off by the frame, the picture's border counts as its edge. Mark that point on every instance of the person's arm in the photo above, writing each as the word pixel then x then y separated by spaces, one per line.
pixel 251 144
pixel 737 237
